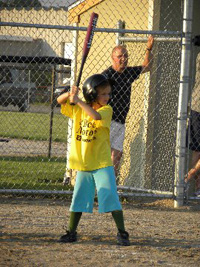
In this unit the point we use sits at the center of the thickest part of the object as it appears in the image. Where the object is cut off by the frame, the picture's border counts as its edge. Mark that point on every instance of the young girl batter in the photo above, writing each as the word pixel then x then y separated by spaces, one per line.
pixel 90 155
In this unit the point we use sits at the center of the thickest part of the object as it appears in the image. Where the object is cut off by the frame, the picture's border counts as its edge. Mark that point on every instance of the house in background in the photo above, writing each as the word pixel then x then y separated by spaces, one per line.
pixel 38 41
pixel 35 41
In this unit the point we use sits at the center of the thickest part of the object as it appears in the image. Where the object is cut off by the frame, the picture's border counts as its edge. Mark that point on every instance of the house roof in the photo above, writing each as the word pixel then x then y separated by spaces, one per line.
pixel 56 3
pixel 79 7
pixel 45 4
pixel 75 7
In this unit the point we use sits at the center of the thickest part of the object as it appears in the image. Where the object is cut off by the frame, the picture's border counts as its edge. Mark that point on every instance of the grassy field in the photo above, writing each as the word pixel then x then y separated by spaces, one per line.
pixel 39 173
pixel 32 126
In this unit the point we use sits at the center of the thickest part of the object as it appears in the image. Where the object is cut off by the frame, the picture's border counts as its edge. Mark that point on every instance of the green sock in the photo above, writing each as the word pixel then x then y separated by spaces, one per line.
pixel 119 219
pixel 74 220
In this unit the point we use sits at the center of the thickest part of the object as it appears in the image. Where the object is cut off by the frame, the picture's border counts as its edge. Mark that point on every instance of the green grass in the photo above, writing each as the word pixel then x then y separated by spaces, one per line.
pixel 32 126
pixel 38 173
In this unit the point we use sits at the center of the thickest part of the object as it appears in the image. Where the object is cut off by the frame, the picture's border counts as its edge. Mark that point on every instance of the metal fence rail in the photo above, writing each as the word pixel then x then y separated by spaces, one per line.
pixel 34 136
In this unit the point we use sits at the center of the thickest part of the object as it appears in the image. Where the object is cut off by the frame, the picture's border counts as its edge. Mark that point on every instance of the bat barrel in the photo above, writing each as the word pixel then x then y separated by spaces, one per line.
pixel 87 44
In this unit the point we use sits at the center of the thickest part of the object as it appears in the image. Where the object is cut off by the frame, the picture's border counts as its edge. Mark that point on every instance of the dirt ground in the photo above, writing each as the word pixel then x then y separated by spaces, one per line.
pixel 160 235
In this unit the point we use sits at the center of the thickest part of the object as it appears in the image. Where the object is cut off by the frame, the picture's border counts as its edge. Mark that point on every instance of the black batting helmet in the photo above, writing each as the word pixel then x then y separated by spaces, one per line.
pixel 89 87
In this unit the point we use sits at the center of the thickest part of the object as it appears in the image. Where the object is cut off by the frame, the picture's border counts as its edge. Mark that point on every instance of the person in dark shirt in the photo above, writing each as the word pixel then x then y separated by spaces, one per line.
pixel 194 132
pixel 123 77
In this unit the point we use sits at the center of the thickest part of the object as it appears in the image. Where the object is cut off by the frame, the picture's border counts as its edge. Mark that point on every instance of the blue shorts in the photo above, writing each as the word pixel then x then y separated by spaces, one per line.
pixel 84 191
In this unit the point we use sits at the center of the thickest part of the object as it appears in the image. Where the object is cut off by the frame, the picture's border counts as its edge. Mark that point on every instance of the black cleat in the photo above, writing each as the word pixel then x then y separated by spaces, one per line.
pixel 123 239
pixel 69 237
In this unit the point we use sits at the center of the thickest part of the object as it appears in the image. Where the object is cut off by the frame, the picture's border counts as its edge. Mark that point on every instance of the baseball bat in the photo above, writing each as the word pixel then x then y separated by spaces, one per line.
pixel 87 45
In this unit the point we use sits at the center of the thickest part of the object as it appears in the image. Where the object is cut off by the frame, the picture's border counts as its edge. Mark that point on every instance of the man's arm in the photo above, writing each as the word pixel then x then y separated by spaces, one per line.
pixel 146 65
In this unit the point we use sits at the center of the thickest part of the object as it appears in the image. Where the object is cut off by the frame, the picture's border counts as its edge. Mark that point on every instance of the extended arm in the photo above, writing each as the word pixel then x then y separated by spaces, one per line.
pixel 148 56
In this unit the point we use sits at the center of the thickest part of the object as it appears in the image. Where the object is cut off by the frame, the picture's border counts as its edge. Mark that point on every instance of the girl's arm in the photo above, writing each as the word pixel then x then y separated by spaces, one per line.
pixel 73 95
pixel 63 98
pixel 88 109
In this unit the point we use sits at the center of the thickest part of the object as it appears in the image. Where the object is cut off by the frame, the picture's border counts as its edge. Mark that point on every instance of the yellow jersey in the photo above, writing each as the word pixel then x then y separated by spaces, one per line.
pixel 90 143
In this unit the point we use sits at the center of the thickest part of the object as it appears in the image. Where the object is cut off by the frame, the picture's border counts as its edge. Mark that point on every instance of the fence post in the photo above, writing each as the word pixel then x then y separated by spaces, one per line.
pixel 52 109
pixel 183 103
pixel 120 25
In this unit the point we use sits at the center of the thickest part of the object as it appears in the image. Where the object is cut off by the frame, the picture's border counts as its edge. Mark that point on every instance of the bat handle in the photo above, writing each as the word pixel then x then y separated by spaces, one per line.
pixel 71 103
pixel 77 84
pixel 79 78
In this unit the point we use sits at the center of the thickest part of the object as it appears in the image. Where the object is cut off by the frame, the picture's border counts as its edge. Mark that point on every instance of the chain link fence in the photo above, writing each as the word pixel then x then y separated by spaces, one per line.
pixel 41 50
pixel 193 164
